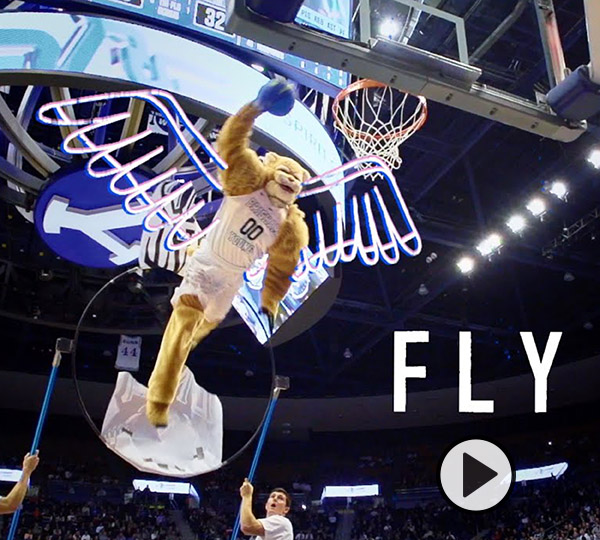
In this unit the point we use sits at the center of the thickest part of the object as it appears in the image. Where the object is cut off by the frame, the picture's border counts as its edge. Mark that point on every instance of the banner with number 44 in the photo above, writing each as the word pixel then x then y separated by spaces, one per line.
pixel 128 354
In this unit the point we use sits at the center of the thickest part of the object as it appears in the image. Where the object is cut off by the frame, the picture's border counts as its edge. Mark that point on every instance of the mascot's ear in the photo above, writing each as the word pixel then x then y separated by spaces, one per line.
pixel 305 175
pixel 271 158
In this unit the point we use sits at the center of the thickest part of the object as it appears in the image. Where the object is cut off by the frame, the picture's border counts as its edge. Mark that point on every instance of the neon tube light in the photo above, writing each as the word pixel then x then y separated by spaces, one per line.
pixel 364 241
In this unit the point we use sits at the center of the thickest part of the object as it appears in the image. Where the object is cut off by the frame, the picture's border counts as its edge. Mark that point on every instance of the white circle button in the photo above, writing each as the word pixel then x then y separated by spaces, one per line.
pixel 476 475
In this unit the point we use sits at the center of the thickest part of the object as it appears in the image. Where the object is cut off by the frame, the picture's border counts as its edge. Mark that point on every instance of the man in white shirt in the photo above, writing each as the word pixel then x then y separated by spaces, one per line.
pixel 273 527
pixel 14 499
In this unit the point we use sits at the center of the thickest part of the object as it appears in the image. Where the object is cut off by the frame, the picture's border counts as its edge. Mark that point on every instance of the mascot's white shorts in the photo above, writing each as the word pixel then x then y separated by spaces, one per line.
pixel 215 283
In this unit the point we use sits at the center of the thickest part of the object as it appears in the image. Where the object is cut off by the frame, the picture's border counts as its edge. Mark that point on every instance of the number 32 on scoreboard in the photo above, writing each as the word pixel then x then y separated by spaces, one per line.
pixel 210 17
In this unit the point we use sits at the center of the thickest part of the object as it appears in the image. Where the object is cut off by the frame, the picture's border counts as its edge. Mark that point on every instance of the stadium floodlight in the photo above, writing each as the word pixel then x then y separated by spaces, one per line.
pixel 389 28
pixel 258 67
pixel 559 189
pixel 536 206
pixel 489 245
pixel 516 223
pixel 466 265
pixel 594 158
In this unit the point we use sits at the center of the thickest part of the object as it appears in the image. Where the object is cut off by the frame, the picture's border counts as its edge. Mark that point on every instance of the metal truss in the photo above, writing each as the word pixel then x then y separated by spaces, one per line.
pixel 571 234
pixel 408 69
pixel 19 137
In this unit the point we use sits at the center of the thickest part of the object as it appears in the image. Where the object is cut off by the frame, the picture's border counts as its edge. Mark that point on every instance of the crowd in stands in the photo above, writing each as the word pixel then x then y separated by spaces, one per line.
pixel 92 500
pixel 89 521
pixel 47 519
pixel 557 510
pixel 561 509
pixel 210 524
pixel 315 524
pixel 309 523
pixel 94 470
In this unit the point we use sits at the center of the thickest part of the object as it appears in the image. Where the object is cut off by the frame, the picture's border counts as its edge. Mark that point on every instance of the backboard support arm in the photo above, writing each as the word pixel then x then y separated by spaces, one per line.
pixel 551 43
pixel 437 78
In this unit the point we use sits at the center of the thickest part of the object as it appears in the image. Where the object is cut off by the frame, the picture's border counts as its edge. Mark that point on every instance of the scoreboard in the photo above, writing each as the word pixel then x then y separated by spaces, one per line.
pixel 207 17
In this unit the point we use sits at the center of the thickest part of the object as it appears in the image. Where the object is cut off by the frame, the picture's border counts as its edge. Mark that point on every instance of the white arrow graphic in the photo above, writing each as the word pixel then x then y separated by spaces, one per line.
pixel 97 224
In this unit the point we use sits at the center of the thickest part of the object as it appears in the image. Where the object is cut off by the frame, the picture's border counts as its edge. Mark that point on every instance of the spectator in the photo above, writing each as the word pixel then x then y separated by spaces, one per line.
pixel 275 526
pixel 14 499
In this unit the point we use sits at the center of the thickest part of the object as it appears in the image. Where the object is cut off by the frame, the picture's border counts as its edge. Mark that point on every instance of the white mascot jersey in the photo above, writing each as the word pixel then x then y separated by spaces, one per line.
pixel 248 226
pixel 192 443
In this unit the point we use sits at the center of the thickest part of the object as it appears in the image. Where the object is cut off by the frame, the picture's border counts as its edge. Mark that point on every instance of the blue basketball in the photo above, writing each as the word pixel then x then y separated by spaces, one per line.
pixel 276 97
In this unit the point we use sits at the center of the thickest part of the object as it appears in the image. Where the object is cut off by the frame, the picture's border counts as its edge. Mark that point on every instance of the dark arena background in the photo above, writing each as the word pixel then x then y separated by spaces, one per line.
pixel 500 176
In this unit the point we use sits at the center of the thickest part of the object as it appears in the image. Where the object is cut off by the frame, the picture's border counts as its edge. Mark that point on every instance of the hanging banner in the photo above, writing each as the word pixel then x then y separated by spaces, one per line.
pixel 128 354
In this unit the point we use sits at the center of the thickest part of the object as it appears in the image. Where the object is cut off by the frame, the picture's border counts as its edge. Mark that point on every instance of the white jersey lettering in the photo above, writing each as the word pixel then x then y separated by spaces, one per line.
pixel 248 226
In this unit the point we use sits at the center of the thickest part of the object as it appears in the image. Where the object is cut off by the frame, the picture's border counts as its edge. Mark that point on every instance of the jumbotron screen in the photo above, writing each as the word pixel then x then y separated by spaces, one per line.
pixel 208 17
pixel 247 303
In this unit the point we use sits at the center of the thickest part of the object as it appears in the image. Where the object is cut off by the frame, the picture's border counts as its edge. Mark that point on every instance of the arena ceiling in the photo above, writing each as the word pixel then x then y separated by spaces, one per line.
pixel 462 177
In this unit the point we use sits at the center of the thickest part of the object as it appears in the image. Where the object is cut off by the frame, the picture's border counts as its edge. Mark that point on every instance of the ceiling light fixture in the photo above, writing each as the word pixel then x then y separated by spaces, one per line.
pixel 516 223
pixel 389 28
pixel 466 265
pixel 491 244
pixel 594 158
pixel 559 189
pixel 537 207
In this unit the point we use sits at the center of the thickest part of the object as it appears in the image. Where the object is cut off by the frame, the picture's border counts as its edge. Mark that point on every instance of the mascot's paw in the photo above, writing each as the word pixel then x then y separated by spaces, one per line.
pixel 157 413
pixel 270 318
pixel 276 97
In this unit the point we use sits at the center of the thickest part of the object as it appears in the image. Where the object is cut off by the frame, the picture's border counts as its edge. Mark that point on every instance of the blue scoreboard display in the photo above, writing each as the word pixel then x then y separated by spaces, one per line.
pixel 208 18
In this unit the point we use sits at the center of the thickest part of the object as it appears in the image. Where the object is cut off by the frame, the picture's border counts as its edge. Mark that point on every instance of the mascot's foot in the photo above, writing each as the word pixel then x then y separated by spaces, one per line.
pixel 157 413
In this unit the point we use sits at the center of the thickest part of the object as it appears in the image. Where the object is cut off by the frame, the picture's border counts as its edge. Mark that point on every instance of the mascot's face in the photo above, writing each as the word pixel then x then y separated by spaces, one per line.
pixel 285 179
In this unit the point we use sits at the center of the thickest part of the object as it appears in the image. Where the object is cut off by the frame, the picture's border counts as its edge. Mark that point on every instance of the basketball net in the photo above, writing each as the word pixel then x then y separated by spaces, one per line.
pixel 376 119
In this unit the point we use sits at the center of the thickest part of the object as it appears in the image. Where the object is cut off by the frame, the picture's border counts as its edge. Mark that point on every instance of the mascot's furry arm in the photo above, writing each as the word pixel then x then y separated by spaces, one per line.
pixel 245 174
pixel 284 255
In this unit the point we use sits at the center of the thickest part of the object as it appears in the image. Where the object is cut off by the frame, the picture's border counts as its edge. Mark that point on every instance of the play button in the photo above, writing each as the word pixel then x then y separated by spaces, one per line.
pixel 476 475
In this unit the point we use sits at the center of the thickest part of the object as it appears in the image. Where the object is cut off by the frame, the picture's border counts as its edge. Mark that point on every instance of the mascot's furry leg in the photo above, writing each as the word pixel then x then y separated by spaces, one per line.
pixel 202 330
pixel 186 328
pixel 215 272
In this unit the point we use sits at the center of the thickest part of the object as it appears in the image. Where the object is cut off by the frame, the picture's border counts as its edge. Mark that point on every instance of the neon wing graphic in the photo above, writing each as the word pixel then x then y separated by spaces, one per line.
pixel 368 212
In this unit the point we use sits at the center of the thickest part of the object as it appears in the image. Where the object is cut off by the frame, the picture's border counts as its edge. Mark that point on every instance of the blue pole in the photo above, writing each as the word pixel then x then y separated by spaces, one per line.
pixel 261 441
pixel 38 432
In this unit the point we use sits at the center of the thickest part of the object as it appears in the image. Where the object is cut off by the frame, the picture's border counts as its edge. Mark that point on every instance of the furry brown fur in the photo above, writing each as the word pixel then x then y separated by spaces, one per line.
pixel 246 173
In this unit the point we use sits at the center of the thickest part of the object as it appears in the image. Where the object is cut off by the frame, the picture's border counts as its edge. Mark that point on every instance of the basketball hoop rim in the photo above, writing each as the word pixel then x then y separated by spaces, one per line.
pixel 362 84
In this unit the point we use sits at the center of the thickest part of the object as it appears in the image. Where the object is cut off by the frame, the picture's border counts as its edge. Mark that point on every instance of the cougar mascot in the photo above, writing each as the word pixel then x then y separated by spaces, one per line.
pixel 258 215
